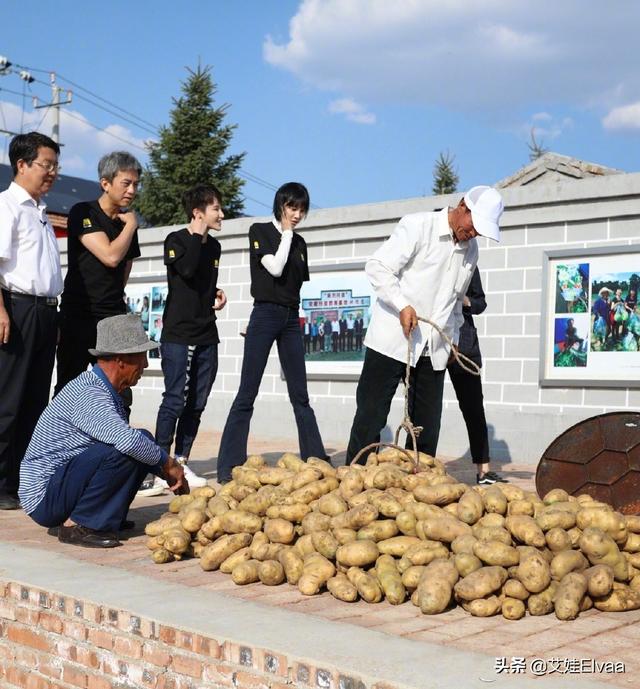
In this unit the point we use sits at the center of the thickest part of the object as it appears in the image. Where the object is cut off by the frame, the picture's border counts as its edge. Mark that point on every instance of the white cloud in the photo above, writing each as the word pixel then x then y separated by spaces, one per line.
pixel 544 126
pixel 625 117
pixel 83 144
pixel 353 111
pixel 463 54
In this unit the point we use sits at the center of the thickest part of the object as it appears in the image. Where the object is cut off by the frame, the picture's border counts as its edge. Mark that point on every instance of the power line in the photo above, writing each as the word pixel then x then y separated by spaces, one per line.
pixel 102 129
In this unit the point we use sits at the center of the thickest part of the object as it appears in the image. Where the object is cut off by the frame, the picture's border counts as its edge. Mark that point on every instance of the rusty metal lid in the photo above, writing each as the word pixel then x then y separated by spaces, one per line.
pixel 599 456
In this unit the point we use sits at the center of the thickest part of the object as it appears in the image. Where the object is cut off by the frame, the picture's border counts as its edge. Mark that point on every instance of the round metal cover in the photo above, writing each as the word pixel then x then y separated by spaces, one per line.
pixel 599 456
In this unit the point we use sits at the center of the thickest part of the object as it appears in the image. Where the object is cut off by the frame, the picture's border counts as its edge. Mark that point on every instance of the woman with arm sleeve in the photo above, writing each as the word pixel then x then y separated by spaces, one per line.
pixel 278 261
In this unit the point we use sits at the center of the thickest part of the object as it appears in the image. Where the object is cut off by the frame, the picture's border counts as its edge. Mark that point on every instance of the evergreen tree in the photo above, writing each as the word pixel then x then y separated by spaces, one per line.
pixel 191 151
pixel 445 178
pixel 536 150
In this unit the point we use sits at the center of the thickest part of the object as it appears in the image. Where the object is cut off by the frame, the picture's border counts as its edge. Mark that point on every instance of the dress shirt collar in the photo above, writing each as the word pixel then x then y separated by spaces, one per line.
pixel 22 196
pixel 444 230
pixel 277 224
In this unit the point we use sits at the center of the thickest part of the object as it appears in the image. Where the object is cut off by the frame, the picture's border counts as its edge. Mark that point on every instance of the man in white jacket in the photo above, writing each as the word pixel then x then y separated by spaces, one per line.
pixel 424 268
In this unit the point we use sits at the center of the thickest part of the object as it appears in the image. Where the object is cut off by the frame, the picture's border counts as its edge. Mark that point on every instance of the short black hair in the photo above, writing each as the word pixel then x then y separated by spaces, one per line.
pixel 25 147
pixel 291 194
pixel 200 197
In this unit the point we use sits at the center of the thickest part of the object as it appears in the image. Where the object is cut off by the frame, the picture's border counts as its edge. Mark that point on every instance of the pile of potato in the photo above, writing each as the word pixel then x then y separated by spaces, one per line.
pixel 385 531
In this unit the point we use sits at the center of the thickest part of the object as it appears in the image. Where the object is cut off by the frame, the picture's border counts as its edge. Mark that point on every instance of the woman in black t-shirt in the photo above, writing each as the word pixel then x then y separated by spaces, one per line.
pixel 278 261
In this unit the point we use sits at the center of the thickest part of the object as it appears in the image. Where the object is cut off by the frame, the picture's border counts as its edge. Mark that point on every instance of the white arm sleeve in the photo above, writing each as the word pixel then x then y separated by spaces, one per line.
pixel 275 263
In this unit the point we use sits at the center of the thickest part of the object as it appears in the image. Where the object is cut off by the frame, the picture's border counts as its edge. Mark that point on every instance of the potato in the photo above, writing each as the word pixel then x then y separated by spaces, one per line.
pixel 273 475
pixel 510 491
pixel 411 576
pixel 554 518
pixel 236 491
pixel 316 572
pixel 265 551
pixel 632 522
pixel 271 572
pixel 397 545
pixel 574 535
pixel 445 529
pixel 242 555
pixel 555 495
pixel 292 563
pixel 216 553
pixel 341 588
pixel 351 484
pixel 496 553
pixel 568 597
pixel 356 517
pixel 368 587
pixel 314 490
pixel 533 572
pixel 332 504
pixel 294 512
pixel 406 522
pixel 463 544
pixel 155 528
pixel 483 607
pixel 521 507
pixel 161 556
pixel 256 503
pixel 193 519
pixel 542 603
pixel 619 600
pixel 378 530
pixel 495 501
pixel 344 535
pixel 514 589
pixel 291 462
pixel 176 542
pixel 525 530
pixel 325 467
pixel 601 549
pixel 466 563
pixel 177 503
pixel 599 580
pixel 390 580
pixel 357 554
pixel 480 583
pixel 435 587
pixel 470 507
pixel 387 505
pixel 513 608
pixel 325 543
pixel 304 545
pixel 217 505
pixel 279 531
pixel 254 462
pixel 632 544
pixel 239 521
pixel 245 572
pixel 557 540
pixel 245 476
pixel 612 523
pixel 567 561
pixel 315 521
pixel 439 495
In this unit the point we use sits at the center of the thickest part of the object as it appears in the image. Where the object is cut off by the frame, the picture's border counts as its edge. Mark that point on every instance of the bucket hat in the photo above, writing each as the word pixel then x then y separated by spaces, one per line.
pixel 121 335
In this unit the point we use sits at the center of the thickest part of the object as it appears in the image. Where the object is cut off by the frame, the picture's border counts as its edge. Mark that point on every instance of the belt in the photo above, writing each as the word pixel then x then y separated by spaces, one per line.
pixel 20 296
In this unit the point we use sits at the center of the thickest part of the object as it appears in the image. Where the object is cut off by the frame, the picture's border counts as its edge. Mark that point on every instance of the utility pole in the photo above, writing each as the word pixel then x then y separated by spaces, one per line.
pixel 56 103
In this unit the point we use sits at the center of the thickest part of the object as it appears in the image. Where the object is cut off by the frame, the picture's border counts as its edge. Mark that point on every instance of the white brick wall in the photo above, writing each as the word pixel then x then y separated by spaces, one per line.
pixel 523 418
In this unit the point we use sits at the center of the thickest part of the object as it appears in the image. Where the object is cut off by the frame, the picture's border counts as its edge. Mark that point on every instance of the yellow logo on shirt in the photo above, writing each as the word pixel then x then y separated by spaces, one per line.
pixel 215 263
pixel 86 223
pixel 172 253
pixel 256 245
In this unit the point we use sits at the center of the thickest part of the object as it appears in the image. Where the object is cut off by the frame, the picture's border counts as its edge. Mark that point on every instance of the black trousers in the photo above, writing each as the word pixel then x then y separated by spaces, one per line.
pixel 26 364
pixel 470 398
pixel 76 336
pixel 377 385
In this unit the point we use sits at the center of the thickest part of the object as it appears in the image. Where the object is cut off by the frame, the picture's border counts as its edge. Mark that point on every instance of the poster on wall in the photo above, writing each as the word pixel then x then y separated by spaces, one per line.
pixel 335 310
pixel 590 333
pixel 147 300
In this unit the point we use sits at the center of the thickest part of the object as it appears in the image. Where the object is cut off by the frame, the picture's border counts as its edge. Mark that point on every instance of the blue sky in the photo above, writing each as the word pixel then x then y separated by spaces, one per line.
pixel 355 98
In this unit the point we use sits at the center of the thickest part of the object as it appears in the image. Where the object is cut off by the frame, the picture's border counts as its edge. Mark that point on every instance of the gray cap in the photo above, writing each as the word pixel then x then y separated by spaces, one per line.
pixel 121 335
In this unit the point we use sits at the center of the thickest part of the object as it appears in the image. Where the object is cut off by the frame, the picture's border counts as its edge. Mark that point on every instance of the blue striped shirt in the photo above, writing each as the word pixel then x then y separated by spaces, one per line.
pixel 87 410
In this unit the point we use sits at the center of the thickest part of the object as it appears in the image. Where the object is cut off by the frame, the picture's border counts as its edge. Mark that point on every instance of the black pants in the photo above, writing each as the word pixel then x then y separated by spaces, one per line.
pixel 469 393
pixel 377 385
pixel 26 364
pixel 76 336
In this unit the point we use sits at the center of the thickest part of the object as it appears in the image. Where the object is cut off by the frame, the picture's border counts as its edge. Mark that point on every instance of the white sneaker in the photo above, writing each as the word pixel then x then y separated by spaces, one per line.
pixel 194 480
pixel 152 486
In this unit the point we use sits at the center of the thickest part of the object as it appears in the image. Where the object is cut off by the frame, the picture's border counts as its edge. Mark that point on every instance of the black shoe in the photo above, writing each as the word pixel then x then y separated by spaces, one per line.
pixel 8 502
pixel 88 538
pixel 127 525
pixel 489 478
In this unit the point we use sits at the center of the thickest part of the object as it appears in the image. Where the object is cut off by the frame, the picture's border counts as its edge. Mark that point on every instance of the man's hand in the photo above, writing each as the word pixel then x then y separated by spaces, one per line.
pixel 5 325
pixel 466 301
pixel 129 219
pixel 221 300
pixel 174 476
pixel 408 320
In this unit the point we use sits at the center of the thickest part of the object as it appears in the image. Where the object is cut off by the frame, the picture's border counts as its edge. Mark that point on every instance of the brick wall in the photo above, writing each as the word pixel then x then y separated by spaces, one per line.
pixel 50 641
pixel 523 417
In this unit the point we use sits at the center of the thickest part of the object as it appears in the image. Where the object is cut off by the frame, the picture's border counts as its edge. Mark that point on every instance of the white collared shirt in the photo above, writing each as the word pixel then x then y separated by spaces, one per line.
pixel 421 266
pixel 29 255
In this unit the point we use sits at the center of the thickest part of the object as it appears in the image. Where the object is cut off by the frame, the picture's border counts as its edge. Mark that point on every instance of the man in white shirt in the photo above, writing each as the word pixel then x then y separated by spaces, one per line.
pixel 30 282
pixel 423 269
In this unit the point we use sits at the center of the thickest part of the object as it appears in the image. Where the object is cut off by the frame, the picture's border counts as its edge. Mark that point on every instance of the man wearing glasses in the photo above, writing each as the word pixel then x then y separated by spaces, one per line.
pixel 30 282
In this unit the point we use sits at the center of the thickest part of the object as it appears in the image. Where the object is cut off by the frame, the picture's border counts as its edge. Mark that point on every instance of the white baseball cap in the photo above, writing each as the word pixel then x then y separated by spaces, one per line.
pixel 486 207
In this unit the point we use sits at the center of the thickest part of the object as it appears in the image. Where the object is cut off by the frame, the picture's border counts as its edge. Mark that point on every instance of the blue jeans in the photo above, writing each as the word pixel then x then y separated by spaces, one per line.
pixel 94 489
pixel 189 372
pixel 269 323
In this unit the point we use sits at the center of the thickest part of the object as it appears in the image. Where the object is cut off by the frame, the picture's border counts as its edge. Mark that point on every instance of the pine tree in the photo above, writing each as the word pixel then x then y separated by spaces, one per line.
pixel 536 150
pixel 191 151
pixel 445 179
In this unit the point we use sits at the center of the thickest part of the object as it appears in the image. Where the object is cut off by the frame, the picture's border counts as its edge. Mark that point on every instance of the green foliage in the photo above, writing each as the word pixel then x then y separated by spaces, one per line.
pixel 445 178
pixel 191 151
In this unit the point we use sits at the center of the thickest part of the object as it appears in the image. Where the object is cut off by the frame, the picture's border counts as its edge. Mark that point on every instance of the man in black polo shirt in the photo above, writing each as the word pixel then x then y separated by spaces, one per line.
pixel 189 340
pixel 102 244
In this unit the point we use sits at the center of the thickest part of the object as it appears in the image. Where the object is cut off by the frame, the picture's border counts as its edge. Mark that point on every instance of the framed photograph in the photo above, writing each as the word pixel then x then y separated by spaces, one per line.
pixel 590 329
pixel 147 297
pixel 335 310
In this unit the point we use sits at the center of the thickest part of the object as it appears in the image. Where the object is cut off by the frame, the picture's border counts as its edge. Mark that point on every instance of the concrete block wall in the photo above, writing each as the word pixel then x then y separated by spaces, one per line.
pixel 523 418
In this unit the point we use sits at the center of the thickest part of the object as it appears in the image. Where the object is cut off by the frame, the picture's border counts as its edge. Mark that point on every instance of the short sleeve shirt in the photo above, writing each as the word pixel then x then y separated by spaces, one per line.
pixel 264 238
pixel 92 289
